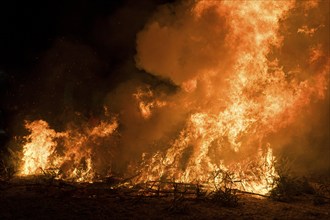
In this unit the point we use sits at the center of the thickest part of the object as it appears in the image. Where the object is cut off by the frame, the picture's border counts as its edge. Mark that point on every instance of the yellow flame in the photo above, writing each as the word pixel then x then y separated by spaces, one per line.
pixel 40 146
pixel 74 162
pixel 260 100
pixel 214 147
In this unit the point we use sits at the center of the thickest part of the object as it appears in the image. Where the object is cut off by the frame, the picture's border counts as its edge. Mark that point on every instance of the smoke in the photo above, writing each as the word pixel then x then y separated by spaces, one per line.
pixel 177 45
pixel 137 134
pixel 162 70
pixel 65 73
pixel 304 54
pixel 198 51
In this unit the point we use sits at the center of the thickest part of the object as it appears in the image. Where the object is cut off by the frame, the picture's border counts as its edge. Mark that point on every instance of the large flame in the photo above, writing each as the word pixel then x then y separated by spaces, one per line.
pixel 233 100
pixel 256 99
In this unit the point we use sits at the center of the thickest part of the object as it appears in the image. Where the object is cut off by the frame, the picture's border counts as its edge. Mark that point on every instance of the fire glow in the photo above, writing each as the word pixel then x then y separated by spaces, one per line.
pixel 232 104
pixel 74 162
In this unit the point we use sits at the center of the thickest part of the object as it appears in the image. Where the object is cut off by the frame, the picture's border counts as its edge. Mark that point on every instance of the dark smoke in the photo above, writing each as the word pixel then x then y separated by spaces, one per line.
pixel 63 61
pixel 60 60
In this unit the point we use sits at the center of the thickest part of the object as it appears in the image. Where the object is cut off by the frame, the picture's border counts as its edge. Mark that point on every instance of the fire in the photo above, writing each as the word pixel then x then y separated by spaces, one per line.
pixel 69 153
pixel 39 148
pixel 258 99
pixel 147 102
pixel 232 103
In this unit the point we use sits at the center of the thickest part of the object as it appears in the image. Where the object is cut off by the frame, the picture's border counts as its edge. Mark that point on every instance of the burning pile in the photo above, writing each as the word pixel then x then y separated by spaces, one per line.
pixel 233 95
pixel 69 154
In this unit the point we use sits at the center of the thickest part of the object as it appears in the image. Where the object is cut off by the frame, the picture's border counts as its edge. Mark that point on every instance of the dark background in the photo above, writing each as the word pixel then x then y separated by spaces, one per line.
pixel 61 56
pixel 65 56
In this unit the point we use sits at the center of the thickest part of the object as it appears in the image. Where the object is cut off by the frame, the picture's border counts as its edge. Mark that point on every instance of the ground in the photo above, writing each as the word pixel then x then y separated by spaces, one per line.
pixel 44 199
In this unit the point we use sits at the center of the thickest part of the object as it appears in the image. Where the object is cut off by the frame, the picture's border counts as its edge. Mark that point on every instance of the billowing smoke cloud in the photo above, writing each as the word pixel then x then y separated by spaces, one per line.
pixel 179 46
pixel 85 53
pixel 211 81
pixel 304 54
pixel 201 46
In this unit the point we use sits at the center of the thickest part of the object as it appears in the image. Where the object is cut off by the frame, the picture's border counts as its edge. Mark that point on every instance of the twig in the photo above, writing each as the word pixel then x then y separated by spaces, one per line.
pixel 251 193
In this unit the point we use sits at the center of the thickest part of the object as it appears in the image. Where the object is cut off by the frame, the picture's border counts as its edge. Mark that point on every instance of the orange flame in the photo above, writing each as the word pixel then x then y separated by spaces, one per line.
pixel 43 150
pixel 40 147
pixel 258 99
pixel 147 102
pixel 224 132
